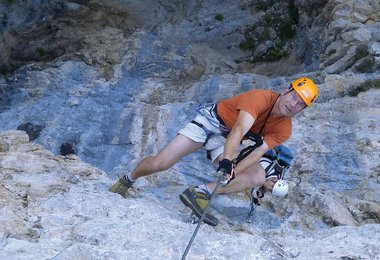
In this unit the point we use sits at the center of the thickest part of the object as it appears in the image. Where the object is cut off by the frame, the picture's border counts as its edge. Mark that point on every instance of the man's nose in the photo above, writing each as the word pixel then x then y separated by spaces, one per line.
pixel 293 103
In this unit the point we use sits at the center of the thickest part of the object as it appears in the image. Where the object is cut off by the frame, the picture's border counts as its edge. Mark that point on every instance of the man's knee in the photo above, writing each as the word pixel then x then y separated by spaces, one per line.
pixel 257 177
pixel 259 180
pixel 159 164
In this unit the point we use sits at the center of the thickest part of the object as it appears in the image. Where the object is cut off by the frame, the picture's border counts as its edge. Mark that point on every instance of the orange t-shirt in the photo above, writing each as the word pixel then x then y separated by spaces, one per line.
pixel 257 103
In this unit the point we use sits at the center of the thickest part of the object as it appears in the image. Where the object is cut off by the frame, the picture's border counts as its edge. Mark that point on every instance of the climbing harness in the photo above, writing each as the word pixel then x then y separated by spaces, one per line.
pixel 209 112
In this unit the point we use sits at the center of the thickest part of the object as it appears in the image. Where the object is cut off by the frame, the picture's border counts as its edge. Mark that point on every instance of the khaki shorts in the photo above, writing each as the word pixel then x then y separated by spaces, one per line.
pixel 210 132
pixel 215 143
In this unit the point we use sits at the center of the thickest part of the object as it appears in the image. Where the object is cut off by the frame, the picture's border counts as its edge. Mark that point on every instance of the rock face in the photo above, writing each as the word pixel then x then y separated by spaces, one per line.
pixel 349 37
pixel 113 81
pixel 60 207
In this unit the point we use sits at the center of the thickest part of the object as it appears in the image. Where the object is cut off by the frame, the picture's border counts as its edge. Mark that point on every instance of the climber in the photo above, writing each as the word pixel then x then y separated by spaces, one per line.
pixel 236 132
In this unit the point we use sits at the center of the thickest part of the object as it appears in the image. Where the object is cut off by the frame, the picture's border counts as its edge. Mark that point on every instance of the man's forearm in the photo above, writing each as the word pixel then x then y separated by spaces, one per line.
pixel 232 143
pixel 252 158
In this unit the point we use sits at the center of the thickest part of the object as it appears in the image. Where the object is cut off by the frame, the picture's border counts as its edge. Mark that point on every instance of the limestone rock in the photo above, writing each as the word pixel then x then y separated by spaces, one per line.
pixel 12 139
pixel 119 78
pixel 70 211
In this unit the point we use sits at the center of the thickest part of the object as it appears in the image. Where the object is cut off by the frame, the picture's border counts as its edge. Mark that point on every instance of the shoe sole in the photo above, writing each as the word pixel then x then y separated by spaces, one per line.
pixel 195 211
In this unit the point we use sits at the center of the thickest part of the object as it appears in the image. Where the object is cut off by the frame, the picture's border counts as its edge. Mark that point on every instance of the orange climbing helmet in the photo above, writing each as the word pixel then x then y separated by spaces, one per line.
pixel 306 89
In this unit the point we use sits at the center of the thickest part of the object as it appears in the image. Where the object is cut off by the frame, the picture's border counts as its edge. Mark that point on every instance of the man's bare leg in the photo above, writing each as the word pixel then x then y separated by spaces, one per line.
pixel 179 147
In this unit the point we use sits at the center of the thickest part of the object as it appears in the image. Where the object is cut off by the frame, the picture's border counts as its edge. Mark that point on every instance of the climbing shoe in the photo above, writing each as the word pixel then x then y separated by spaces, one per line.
pixel 197 202
pixel 121 186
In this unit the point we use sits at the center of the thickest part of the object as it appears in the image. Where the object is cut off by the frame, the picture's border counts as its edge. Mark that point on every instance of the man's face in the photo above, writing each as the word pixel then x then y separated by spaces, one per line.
pixel 291 103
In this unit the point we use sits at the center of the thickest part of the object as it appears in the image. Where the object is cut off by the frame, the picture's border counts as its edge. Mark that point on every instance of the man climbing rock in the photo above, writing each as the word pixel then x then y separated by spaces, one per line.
pixel 256 119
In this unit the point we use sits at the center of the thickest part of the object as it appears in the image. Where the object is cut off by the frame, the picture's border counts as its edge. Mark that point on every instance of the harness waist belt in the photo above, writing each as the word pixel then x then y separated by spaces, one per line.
pixel 215 110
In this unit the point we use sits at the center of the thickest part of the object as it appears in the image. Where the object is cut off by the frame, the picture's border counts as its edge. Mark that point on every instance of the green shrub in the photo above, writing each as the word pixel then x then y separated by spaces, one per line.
pixel 259 6
pixel 275 54
pixel 219 17
pixel 268 18
pixel 282 21
pixel 41 51
pixel 263 5
pixel 293 12
pixel 248 44
pixel 286 31
pixel 265 35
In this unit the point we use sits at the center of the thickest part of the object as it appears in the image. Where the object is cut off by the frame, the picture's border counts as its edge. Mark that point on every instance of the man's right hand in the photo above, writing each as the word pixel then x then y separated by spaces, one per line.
pixel 226 166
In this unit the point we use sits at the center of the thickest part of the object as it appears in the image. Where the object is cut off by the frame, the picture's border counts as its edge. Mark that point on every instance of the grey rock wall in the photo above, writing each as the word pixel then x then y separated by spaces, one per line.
pixel 121 79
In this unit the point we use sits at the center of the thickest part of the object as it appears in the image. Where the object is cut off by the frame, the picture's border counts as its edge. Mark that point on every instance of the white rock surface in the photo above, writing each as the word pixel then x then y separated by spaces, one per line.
pixel 59 207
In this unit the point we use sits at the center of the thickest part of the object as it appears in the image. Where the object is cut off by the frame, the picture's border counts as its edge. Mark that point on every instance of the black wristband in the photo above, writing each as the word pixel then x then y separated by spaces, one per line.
pixel 225 166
